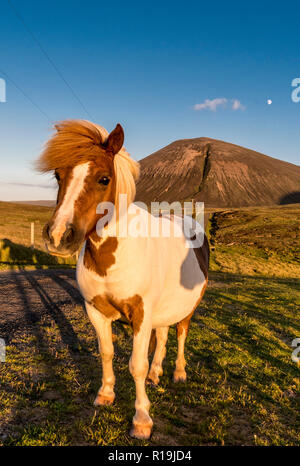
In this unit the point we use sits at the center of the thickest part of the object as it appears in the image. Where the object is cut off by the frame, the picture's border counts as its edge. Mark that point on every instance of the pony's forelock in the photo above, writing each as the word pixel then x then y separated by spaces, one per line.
pixel 79 141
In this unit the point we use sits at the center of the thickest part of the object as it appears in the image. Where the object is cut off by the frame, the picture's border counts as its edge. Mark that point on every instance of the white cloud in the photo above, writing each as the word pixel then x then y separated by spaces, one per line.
pixel 236 105
pixel 211 104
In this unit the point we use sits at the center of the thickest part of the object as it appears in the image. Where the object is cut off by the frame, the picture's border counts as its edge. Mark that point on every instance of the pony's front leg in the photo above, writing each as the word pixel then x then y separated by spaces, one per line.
pixel 102 324
pixel 138 366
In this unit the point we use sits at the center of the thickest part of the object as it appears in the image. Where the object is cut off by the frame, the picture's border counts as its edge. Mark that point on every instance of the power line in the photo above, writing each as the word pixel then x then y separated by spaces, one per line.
pixel 54 66
pixel 26 95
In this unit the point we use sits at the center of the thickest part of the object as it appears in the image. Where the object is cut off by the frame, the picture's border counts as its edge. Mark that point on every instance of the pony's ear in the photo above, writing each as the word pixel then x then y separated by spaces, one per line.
pixel 115 140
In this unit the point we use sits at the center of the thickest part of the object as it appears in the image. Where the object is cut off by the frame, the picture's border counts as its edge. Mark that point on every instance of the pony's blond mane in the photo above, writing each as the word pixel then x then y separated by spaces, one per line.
pixel 79 141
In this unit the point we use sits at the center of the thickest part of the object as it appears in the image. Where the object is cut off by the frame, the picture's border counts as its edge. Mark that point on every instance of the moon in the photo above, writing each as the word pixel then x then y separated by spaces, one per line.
pixel 269 102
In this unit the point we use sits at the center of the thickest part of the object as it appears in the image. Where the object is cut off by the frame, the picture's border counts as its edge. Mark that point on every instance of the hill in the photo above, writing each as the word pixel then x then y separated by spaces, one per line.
pixel 219 173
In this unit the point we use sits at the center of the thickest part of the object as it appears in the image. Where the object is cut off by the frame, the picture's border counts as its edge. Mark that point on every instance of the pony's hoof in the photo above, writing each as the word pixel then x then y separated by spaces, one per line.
pixel 104 400
pixel 141 432
pixel 152 379
pixel 179 376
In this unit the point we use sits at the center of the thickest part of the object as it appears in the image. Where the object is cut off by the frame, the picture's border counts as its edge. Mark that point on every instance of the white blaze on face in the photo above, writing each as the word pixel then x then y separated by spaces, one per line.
pixel 65 213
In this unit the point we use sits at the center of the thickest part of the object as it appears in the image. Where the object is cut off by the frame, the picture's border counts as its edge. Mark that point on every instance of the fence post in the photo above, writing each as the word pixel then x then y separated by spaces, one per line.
pixel 32 235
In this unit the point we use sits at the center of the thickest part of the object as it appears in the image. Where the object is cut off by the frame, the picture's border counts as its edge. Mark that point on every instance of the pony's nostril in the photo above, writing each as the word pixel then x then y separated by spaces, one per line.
pixel 69 235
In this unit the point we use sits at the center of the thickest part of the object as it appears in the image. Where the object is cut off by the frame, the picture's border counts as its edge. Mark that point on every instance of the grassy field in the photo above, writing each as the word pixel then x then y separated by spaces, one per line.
pixel 256 241
pixel 16 219
pixel 243 388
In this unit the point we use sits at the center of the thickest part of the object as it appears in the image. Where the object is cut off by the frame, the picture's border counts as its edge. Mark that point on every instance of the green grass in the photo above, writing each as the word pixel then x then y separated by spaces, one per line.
pixel 243 387
pixel 12 254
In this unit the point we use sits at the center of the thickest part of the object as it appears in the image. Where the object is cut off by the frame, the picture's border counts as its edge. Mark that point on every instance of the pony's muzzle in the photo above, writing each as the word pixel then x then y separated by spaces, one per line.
pixel 68 243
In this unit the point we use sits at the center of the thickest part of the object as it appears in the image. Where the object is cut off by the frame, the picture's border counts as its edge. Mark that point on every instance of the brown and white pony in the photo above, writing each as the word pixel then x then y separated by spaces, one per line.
pixel 151 282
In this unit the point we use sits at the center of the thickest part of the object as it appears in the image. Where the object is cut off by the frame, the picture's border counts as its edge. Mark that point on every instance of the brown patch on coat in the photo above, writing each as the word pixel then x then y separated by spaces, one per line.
pixel 85 216
pixel 202 255
pixel 105 307
pixel 66 177
pixel 184 324
pixel 100 259
pixel 132 309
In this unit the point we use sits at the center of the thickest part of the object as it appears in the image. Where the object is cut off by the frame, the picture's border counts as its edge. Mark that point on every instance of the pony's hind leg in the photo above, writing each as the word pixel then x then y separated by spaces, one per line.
pixel 102 326
pixel 182 331
pixel 156 369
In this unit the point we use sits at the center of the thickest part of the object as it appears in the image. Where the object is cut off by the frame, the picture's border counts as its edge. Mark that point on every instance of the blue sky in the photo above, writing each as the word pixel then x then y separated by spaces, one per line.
pixel 147 65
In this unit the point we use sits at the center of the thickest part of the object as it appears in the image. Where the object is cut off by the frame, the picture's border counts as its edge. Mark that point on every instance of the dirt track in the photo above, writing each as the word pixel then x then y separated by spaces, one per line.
pixel 27 295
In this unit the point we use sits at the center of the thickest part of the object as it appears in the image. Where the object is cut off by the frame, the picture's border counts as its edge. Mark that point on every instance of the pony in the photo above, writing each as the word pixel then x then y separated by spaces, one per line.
pixel 150 282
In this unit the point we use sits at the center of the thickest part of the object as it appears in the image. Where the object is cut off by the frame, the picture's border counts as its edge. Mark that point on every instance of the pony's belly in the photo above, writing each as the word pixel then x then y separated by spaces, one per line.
pixel 173 309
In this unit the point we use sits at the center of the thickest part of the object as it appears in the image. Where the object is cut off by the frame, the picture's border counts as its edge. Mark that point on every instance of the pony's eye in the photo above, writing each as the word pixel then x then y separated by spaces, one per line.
pixel 104 180
pixel 57 176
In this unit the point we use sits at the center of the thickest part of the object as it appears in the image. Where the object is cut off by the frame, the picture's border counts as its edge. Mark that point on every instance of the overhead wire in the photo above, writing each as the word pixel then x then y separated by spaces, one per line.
pixel 26 95
pixel 49 59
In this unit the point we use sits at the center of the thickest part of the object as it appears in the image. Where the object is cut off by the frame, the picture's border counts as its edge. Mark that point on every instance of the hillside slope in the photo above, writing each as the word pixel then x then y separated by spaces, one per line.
pixel 219 173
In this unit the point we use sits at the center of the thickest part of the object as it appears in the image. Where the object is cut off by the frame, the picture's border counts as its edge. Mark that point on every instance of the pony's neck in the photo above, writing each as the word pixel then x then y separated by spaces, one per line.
pixel 111 229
